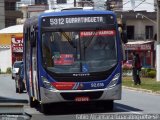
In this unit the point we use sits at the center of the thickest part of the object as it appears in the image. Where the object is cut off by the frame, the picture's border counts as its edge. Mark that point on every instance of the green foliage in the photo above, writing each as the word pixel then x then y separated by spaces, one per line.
pixel 146 83
pixel 0 70
pixel 8 71
pixel 148 72
pixel 152 74
pixel 127 72
pixel 144 72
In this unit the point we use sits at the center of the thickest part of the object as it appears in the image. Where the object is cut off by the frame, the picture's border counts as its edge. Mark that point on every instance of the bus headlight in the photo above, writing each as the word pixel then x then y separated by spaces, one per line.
pixel 114 81
pixel 47 84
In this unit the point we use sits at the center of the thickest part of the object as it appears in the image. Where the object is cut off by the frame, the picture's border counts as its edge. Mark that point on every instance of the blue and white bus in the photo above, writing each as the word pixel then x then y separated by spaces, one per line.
pixel 73 56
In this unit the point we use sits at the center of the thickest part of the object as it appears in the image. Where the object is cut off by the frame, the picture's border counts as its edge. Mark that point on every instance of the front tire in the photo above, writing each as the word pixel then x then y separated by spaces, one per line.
pixel 108 105
pixel 44 108
pixel 32 102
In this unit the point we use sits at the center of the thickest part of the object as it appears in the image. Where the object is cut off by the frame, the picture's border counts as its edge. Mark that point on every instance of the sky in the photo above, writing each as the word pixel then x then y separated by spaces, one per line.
pixel 138 5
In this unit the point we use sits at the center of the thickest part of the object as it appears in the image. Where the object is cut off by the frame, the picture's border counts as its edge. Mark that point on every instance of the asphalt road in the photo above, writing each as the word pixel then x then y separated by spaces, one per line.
pixel 7 88
pixel 132 103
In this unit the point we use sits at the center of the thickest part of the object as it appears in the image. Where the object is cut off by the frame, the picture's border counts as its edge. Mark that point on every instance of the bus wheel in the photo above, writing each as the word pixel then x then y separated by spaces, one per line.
pixel 32 102
pixel 44 108
pixel 108 105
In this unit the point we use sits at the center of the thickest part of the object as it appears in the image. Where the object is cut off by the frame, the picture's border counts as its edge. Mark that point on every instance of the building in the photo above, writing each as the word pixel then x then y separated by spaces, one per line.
pixel 11 12
pixel 11 48
pixel 115 5
pixel 2 15
pixel 85 3
pixel 8 17
pixel 60 4
pixel 42 1
pixel 141 33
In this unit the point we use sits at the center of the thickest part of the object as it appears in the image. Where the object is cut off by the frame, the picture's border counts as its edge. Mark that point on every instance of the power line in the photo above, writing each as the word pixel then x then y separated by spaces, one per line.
pixel 139 4
pixel 150 3
pixel 126 2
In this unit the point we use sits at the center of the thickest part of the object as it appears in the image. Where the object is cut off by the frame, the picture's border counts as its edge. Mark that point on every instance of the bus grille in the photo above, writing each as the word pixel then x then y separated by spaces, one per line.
pixel 72 96
pixel 93 76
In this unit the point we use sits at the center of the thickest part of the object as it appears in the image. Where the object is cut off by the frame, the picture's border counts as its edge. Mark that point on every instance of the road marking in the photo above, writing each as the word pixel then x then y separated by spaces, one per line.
pixel 128 110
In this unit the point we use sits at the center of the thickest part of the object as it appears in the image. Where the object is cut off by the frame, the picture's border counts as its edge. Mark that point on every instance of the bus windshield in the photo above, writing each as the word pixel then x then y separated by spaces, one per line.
pixel 79 51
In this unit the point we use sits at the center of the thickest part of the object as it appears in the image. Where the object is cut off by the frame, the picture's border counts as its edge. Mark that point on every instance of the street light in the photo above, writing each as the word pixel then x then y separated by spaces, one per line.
pixel 143 16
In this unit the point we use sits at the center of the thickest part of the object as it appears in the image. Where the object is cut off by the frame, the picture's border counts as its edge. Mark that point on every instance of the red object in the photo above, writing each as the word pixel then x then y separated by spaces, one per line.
pixel 97 33
pixel 63 85
pixel 17 44
pixel 82 99
pixel 64 59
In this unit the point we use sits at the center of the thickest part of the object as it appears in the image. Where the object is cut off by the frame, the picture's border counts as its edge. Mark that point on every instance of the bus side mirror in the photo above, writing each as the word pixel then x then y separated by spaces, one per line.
pixel 124 37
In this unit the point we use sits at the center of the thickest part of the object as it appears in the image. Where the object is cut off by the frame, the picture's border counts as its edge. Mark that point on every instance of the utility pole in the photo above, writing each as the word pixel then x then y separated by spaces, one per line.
pixel 74 3
pixel 108 5
pixel 158 42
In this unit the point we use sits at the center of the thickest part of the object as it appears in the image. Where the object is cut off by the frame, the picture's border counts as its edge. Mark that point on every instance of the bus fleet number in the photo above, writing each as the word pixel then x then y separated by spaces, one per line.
pixel 56 21
pixel 97 85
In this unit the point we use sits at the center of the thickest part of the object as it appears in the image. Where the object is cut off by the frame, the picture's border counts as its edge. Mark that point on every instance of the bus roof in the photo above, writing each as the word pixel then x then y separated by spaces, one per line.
pixel 76 12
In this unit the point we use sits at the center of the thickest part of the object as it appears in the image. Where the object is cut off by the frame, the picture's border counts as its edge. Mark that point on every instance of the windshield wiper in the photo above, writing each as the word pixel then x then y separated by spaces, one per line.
pixel 90 40
pixel 68 39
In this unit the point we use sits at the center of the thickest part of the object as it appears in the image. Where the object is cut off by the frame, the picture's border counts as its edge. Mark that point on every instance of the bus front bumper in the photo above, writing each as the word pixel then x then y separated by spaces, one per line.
pixel 54 96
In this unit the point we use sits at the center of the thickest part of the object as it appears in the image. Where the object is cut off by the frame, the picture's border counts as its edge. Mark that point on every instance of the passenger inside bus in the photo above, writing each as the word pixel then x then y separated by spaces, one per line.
pixel 102 47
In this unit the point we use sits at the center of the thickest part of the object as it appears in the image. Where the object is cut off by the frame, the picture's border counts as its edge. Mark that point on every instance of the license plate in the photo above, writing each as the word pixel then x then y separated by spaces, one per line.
pixel 81 99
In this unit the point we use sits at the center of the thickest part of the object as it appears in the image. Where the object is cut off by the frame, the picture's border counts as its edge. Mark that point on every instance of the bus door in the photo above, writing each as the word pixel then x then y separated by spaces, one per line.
pixel 28 65
pixel 34 66
pixel 34 73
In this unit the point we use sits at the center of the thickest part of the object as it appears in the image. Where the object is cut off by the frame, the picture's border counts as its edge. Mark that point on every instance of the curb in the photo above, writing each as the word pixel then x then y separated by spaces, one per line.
pixel 4 75
pixel 142 90
pixel 18 101
pixel 12 106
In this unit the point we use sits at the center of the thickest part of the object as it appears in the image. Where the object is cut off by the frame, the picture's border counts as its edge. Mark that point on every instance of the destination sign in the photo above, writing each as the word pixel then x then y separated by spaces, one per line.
pixel 97 33
pixel 76 21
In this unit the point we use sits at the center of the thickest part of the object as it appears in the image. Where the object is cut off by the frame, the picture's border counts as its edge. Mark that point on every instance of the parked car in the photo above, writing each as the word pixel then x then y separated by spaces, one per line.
pixel 15 68
pixel 19 80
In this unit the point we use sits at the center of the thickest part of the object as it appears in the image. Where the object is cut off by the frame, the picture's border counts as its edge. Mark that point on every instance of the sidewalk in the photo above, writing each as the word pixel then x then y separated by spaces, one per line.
pixel 148 84
pixel 142 90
